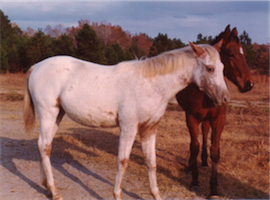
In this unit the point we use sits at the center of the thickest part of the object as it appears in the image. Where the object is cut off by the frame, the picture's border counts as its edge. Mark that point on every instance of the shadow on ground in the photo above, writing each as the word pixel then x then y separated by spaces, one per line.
pixel 108 142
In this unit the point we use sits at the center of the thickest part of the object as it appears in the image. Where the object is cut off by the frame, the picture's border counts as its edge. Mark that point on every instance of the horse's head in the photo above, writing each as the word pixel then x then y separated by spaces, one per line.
pixel 234 58
pixel 209 73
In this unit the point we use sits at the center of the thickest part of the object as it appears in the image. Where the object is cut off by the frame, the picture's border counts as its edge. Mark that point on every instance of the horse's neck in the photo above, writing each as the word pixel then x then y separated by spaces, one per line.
pixel 170 84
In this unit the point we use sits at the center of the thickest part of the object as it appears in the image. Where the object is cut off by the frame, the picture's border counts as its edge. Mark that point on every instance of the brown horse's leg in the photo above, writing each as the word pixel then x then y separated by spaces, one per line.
pixel 205 130
pixel 217 127
pixel 192 124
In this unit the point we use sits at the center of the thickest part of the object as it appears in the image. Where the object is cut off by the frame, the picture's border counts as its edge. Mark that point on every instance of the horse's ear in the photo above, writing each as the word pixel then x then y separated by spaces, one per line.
pixel 198 50
pixel 227 32
pixel 235 32
pixel 218 45
pixel 227 29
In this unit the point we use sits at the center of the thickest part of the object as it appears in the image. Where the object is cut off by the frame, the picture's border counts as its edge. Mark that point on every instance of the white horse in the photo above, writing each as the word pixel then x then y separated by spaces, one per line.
pixel 132 95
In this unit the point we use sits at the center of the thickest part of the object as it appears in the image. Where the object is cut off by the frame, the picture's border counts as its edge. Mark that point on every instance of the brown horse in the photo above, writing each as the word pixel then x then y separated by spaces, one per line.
pixel 200 108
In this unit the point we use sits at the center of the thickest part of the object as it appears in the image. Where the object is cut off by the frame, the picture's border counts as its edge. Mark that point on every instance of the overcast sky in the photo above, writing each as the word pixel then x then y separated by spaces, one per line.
pixel 179 19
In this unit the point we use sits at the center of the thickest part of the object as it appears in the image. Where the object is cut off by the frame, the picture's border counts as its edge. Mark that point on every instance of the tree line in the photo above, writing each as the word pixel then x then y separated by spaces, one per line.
pixel 100 43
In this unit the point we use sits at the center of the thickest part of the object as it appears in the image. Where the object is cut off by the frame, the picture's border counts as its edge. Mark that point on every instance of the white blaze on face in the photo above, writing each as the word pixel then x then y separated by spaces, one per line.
pixel 241 50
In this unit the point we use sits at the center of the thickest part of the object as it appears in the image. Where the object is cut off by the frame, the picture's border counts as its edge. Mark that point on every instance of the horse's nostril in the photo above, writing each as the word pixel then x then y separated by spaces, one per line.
pixel 226 99
pixel 249 85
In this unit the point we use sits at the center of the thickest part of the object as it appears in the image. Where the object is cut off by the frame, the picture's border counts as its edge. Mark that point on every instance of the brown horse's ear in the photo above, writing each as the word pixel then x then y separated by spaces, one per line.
pixel 198 50
pixel 235 32
pixel 227 32
pixel 227 29
pixel 218 45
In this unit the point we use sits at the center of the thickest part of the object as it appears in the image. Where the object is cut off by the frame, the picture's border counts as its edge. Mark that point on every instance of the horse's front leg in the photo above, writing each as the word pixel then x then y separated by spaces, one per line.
pixel 205 130
pixel 126 140
pixel 217 128
pixel 193 124
pixel 148 142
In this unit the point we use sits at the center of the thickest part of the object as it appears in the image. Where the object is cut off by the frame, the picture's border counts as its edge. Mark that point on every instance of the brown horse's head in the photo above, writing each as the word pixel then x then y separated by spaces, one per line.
pixel 234 59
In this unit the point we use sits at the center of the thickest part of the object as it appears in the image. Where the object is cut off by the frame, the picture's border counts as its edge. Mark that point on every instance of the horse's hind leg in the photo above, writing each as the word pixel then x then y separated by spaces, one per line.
pixel 49 122
pixel 148 141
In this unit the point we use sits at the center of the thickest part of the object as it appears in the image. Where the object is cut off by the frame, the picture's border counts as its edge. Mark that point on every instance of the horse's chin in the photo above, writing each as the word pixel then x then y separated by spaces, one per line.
pixel 218 104
pixel 222 101
pixel 243 90
pixel 246 87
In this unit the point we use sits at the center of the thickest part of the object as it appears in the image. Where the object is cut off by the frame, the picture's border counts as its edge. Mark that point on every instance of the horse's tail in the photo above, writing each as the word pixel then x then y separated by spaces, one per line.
pixel 29 108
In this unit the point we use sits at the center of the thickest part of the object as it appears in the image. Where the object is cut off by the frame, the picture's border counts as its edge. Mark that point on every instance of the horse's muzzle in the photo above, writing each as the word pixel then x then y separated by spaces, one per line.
pixel 223 99
pixel 247 86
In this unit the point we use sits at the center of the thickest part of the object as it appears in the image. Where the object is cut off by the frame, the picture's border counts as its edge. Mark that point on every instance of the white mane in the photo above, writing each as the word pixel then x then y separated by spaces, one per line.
pixel 167 62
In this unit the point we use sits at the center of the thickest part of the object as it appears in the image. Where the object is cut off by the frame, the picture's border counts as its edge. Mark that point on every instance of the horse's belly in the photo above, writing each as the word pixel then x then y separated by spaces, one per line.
pixel 91 112
pixel 95 107
pixel 93 119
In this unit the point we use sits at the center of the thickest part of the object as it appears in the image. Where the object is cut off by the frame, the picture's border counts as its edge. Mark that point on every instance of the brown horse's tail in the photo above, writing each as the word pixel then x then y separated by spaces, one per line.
pixel 29 108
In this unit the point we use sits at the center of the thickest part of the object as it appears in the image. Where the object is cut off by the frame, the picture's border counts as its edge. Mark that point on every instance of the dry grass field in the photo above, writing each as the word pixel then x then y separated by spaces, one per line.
pixel 84 159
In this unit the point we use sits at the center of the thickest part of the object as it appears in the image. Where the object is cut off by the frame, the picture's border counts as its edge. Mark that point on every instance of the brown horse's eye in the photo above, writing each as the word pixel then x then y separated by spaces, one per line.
pixel 231 55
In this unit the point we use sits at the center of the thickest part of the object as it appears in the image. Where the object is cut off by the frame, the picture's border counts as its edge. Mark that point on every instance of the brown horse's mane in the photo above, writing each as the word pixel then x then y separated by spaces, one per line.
pixel 217 38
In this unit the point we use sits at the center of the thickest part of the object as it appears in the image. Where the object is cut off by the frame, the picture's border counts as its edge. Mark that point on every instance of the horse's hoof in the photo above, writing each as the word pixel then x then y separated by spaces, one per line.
pixel 58 197
pixel 195 189
pixel 214 197
pixel 188 169
pixel 204 165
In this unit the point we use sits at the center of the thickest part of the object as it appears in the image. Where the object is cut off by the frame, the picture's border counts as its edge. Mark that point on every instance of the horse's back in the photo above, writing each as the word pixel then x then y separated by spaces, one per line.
pixel 86 91
pixel 60 70
pixel 64 65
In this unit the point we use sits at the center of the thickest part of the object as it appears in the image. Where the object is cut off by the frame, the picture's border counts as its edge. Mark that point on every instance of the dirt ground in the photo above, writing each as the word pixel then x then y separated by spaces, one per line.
pixel 84 159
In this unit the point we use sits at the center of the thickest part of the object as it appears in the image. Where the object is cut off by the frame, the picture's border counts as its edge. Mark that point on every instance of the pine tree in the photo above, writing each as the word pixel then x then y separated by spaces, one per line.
pixel 38 48
pixel 10 36
pixel 203 40
pixel 89 46
pixel 134 51
pixel 114 54
pixel 4 60
pixel 162 43
pixel 250 53
pixel 63 45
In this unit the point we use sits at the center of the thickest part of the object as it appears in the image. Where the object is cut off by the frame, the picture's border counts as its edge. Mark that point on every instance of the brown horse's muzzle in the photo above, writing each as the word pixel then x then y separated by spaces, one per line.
pixel 244 84
pixel 247 87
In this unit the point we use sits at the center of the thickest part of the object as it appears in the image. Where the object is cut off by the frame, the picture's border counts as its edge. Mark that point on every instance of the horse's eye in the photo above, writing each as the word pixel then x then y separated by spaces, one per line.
pixel 231 55
pixel 210 68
